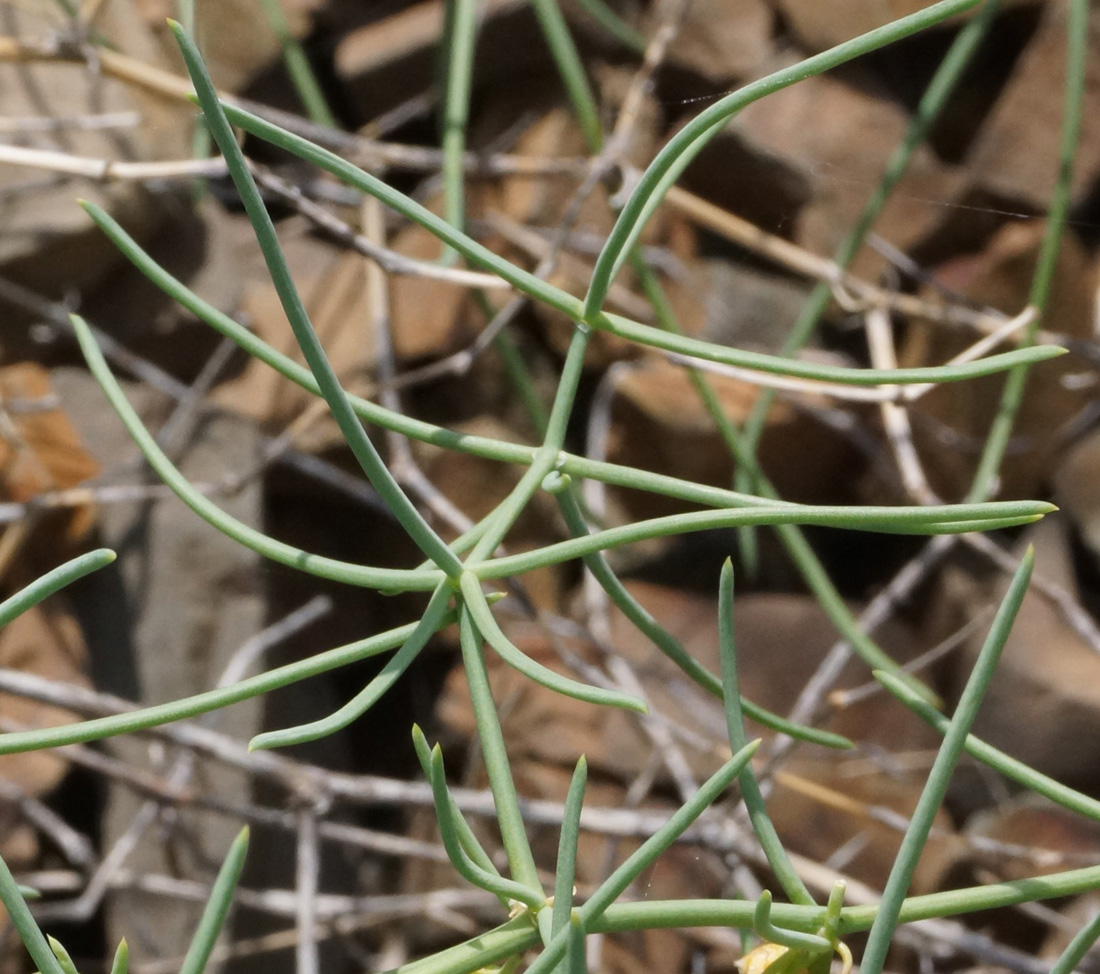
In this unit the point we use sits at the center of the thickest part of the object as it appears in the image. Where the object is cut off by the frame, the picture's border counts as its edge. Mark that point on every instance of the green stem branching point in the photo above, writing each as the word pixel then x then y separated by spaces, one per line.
pixel 330 568
pixel 474 600
pixel 356 437
pixel 674 158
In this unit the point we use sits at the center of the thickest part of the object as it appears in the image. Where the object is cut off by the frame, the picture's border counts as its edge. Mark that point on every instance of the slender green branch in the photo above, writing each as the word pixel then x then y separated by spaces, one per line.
pixel 121 962
pixel 216 911
pixel 671 161
pixel 547 457
pixel 735 727
pixel 936 96
pixel 766 929
pixel 610 21
pixel 474 874
pixel 778 365
pixel 887 520
pixel 564 52
pixel 1077 948
pixel 999 761
pixel 645 855
pixel 497 450
pixel 512 831
pixel 475 253
pixel 1012 396
pixel 53 581
pixel 298 67
pixel 567 847
pixel 517 936
pixel 430 623
pixel 539 290
pixel 954 742
pixel 360 444
pixel 460 40
pixel 470 844
pixel 202 703
pixel 474 600
pixel 330 568
pixel 20 915
pixel 667 643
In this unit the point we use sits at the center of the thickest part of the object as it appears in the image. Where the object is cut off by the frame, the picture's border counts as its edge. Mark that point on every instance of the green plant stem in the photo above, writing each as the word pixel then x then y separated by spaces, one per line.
pixel 611 22
pixel 735 727
pixel 564 52
pixel 121 962
pixel 1012 769
pixel 93 730
pixel 935 97
pixel 498 450
pixel 645 855
pixel 567 848
pixel 668 644
pixel 517 936
pixel 520 377
pixel 546 458
pixel 887 520
pixel 507 889
pixel 474 600
pixel 298 67
pixel 765 928
pixel 430 623
pixel 1077 948
pixel 993 452
pixel 62 955
pixel 470 844
pixel 520 859
pixel 20 915
pixel 460 40
pixel 53 581
pixel 360 444
pixel 954 742
pixel 671 161
pixel 540 290
pixel 338 571
pixel 217 907
pixel 794 541
pixel 777 365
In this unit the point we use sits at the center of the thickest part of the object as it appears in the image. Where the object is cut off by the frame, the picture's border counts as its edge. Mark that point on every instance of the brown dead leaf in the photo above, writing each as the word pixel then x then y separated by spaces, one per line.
pixel 40 451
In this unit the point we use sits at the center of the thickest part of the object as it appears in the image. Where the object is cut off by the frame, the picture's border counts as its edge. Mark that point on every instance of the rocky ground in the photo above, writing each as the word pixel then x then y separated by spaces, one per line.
pixel 122 838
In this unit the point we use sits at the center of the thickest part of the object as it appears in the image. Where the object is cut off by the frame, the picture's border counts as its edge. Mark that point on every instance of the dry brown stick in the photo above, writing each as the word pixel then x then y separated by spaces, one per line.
pixel 388 260
pixel 365 151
